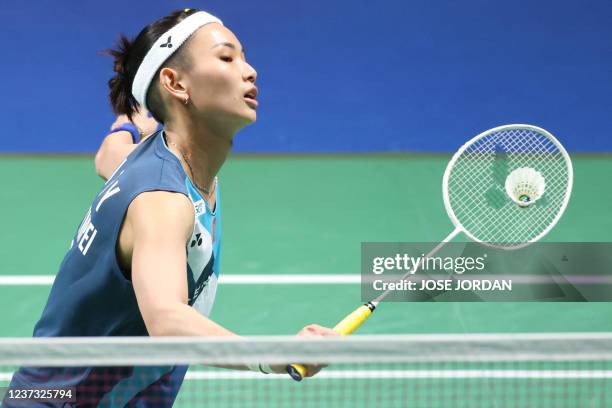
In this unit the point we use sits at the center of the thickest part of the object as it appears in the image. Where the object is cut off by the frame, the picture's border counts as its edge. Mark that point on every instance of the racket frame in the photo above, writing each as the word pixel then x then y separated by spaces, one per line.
pixel 466 145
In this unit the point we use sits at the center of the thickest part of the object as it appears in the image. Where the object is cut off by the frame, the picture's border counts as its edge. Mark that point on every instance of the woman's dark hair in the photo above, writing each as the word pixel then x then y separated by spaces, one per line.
pixel 128 56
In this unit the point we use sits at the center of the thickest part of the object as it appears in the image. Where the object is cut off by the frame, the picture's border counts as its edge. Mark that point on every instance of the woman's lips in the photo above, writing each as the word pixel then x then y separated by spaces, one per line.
pixel 251 102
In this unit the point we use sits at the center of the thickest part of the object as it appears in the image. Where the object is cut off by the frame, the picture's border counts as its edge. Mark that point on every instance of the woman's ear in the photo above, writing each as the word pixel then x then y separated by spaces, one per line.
pixel 170 80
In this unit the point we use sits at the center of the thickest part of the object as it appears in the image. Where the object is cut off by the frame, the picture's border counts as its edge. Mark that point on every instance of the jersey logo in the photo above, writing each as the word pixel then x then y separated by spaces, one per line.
pixel 201 283
pixel 199 290
pixel 197 240
pixel 199 249
pixel 199 207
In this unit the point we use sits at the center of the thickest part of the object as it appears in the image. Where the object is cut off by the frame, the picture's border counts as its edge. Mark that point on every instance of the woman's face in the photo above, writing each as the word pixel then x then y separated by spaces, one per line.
pixel 220 83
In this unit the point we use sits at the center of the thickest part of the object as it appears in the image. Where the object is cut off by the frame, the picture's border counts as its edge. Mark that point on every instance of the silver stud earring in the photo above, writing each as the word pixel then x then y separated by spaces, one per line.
pixel 186 100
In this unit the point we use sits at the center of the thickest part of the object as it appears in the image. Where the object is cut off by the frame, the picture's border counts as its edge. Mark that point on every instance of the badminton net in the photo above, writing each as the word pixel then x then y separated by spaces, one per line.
pixel 489 370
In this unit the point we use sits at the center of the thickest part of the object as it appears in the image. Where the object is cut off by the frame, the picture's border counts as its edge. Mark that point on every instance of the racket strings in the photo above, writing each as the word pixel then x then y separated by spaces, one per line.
pixel 476 189
pixel 504 228
pixel 472 205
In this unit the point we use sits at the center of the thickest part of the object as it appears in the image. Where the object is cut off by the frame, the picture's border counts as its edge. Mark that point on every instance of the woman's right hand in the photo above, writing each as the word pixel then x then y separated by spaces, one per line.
pixel 312 330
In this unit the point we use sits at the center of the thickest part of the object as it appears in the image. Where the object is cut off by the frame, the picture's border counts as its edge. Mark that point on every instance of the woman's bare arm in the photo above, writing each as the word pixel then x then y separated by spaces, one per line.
pixel 158 225
pixel 116 146
pixel 161 223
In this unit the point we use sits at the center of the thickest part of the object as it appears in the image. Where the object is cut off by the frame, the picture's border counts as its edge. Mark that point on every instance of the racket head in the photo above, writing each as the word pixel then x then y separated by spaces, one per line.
pixel 473 185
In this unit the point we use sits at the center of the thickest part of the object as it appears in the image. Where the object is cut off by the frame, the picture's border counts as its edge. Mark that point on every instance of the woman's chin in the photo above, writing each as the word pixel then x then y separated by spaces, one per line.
pixel 250 117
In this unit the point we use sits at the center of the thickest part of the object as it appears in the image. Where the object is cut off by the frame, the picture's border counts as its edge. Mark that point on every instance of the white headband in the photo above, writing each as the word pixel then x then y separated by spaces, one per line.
pixel 163 48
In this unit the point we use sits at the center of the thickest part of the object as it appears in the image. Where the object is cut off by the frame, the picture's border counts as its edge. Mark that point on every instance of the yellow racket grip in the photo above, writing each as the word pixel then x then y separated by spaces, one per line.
pixel 351 322
pixel 346 326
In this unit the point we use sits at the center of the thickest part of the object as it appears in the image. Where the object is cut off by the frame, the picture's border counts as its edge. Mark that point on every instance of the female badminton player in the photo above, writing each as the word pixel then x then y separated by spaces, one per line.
pixel 145 259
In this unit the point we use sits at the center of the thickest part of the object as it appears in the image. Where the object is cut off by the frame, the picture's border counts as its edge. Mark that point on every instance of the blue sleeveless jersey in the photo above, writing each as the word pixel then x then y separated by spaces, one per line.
pixel 92 297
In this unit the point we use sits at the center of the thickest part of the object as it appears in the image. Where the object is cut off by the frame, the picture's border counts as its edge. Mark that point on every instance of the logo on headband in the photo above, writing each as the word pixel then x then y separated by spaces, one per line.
pixel 168 43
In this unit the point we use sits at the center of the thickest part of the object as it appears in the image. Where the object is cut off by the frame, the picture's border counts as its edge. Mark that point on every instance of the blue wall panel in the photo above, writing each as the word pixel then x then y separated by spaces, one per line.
pixel 334 76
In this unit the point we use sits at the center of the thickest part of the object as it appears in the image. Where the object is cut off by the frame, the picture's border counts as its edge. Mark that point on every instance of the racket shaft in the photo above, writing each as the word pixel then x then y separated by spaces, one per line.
pixel 345 327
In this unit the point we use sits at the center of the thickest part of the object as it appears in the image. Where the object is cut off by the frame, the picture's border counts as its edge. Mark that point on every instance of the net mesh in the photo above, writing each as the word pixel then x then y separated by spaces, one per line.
pixel 535 370
pixel 476 186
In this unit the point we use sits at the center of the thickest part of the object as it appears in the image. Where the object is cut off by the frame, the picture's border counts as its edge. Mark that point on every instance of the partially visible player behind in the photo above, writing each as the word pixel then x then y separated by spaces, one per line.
pixel 145 259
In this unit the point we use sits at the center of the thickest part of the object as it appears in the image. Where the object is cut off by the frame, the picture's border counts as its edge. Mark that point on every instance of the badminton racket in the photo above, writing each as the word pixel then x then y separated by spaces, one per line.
pixel 505 188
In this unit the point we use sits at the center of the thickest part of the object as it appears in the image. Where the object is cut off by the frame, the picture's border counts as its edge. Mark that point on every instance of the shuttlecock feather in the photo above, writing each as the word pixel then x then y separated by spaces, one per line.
pixel 525 186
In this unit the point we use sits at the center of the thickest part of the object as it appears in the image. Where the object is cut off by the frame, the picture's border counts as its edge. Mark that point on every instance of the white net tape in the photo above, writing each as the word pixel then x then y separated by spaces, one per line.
pixel 109 351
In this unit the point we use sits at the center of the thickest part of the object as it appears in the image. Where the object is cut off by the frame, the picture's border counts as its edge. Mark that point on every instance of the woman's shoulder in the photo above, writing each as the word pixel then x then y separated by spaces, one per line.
pixel 153 166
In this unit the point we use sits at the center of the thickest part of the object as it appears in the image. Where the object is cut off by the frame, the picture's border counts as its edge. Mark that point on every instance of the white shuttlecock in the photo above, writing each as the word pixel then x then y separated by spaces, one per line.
pixel 525 185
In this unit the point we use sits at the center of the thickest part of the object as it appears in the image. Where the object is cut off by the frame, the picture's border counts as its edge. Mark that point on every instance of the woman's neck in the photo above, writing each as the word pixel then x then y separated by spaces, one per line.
pixel 201 149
